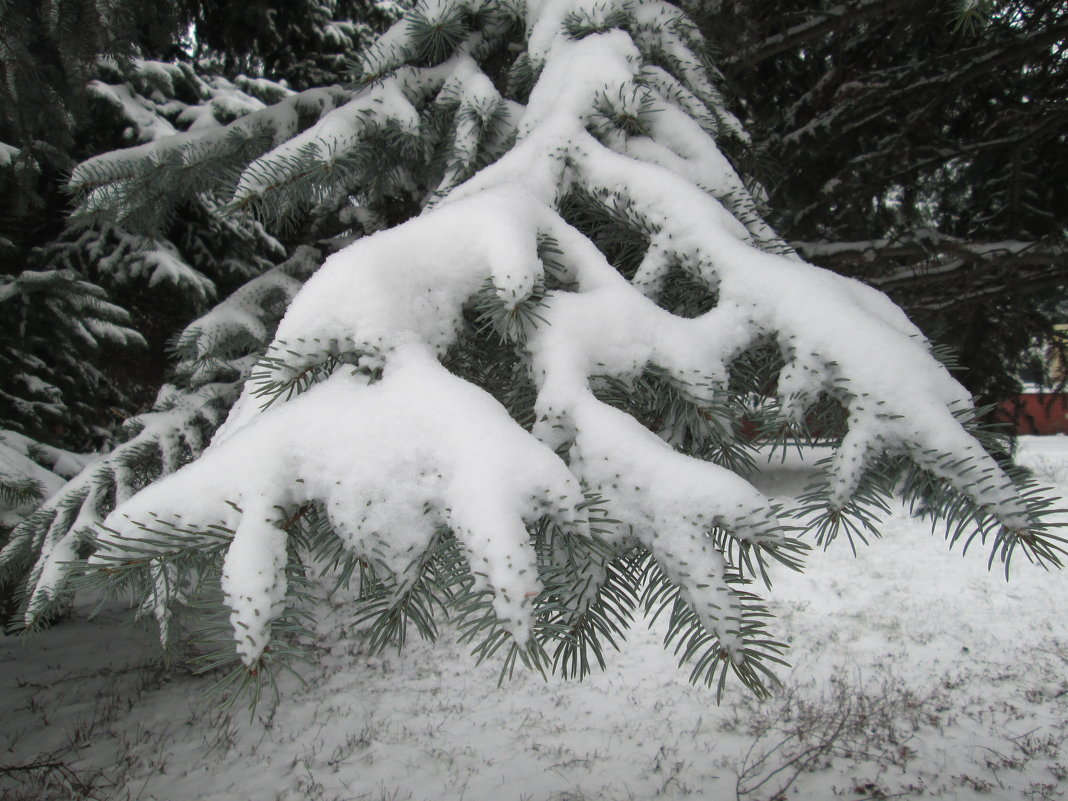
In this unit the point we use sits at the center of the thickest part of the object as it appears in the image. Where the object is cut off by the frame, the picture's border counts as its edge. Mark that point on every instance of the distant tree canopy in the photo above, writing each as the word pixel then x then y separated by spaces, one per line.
pixel 87 311
pixel 920 147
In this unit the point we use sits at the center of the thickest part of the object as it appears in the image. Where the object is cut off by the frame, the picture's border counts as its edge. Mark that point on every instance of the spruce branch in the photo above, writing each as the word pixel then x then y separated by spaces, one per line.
pixel 528 406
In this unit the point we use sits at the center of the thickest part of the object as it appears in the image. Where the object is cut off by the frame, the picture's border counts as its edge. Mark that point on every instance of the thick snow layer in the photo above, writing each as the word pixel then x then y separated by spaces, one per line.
pixel 434 450
pixel 253 580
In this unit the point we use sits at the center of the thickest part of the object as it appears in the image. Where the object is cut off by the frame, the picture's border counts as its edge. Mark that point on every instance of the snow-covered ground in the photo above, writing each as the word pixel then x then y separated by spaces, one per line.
pixel 917 673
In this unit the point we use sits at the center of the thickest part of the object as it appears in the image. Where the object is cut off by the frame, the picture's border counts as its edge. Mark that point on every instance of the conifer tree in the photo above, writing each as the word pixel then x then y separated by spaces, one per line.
pixel 305 42
pixel 58 325
pixel 89 312
pixel 65 344
pixel 80 79
pixel 72 86
pixel 919 147
pixel 523 395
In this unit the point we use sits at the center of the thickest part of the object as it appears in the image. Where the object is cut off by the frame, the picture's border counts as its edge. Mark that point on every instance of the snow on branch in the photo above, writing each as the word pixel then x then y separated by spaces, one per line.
pixel 162 172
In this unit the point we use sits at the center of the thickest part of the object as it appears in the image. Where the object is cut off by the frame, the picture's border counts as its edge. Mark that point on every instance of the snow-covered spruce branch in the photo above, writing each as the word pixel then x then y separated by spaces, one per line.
pixel 29 473
pixel 415 128
pixel 199 247
pixel 440 415
pixel 145 183
pixel 215 354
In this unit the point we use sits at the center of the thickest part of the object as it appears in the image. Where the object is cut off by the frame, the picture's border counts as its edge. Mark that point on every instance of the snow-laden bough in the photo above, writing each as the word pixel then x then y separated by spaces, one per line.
pixel 354 418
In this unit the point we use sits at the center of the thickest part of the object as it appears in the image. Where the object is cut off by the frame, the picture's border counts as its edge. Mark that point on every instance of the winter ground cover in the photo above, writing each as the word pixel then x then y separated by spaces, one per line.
pixel 916 674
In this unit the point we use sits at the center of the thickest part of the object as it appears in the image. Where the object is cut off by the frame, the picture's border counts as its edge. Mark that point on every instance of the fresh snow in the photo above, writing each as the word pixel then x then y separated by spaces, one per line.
pixel 150 126
pixel 202 141
pixel 926 674
pixel 440 447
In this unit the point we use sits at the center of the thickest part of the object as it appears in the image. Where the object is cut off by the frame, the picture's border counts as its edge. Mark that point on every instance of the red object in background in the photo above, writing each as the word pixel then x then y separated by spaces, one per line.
pixel 1036 413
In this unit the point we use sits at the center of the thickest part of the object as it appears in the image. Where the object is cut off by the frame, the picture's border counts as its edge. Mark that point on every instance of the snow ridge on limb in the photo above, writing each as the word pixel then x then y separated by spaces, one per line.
pixel 29 473
pixel 567 472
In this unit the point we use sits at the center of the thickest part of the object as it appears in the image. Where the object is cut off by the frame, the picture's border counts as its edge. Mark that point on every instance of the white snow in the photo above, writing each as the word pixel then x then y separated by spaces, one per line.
pixel 8 154
pixel 336 131
pixel 435 449
pixel 253 580
pixel 18 467
pixel 150 126
pixel 163 263
pixel 206 137
pixel 174 428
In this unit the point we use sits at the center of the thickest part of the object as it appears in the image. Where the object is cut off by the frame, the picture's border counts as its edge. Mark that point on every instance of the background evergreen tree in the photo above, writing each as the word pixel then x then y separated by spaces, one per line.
pixel 305 42
pixel 59 327
pixel 92 309
pixel 522 398
pixel 78 79
pixel 919 147
pixel 76 362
